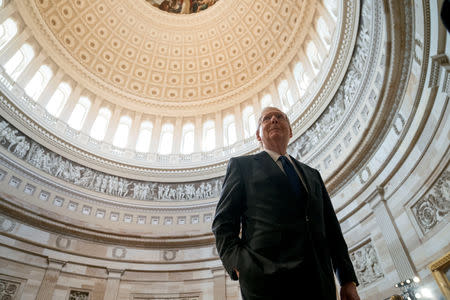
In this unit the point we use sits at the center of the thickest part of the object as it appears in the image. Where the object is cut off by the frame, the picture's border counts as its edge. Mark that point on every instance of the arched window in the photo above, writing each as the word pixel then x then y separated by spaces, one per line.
pixel 266 101
pixel 8 30
pixel 229 130
pixel 301 78
pixel 18 62
pixel 187 138
pixel 249 120
pixel 324 32
pixel 79 113
pixel 144 138
pixel 123 129
pixel 166 140
pixel 209 135
pixel 313 56
pixel 39 81
pixel 285 95
pixel 58 99
pixel 331 6
pixel 100 125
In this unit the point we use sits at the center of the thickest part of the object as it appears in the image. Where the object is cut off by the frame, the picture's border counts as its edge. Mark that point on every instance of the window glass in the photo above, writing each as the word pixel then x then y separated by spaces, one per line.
pixel 209 136
pixel 249 120
pixel 123 129
pixel 166 140
pixel 100 125
pixel 301 78
pixel 39 81
pixel 266 101
pixel 285 95
pixel 324 32
pixel 187 139
pixel 313 56
pixel 18 62
pixel 58 99
pixel 229 130
pixel 79 113
pixel 8 30
pixel 144 138
pixel 331 6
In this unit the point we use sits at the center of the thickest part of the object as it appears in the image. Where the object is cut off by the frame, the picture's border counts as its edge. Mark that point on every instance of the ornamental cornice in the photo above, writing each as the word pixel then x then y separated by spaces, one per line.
pixel 147 204
pixel 78 229
pixel 329 129
pixel 398 63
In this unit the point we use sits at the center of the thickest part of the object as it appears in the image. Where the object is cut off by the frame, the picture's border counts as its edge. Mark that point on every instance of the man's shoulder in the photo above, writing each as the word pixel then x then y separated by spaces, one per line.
pixel 246 158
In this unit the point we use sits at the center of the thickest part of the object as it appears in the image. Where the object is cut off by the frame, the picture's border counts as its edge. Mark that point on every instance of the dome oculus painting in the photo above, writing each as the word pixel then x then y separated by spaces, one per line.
pixel 182 6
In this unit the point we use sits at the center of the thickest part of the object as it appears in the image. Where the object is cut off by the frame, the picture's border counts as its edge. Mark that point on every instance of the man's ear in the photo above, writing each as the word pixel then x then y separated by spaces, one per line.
pixel 257 136
pixel 290 131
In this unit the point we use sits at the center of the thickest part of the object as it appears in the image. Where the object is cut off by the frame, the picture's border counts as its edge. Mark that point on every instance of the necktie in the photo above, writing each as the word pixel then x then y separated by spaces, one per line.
pixel 294 180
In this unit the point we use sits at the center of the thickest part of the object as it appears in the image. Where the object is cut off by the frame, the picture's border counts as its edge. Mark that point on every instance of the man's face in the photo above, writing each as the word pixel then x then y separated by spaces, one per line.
pixel 274 128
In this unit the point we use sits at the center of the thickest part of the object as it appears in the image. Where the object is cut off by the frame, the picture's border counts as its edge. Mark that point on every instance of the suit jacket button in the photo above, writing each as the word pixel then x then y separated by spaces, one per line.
pixel 307 219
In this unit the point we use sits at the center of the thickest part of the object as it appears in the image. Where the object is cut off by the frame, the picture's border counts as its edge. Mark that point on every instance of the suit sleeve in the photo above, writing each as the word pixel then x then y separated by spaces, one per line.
pixel 227 220
pixel 340 258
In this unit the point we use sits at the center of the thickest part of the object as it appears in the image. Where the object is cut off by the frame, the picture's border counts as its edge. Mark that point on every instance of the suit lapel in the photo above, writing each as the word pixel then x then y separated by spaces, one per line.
pixel 272 171
pixel 271 167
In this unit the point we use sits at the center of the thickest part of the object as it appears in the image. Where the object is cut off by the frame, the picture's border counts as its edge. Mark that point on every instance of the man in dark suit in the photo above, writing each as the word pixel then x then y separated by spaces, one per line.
pixel 291 239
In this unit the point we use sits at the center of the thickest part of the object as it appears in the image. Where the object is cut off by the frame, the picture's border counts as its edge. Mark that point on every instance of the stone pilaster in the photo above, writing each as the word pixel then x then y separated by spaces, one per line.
pixel 397 250
pixel 13 46
pixel 219 283
pixel 50 278
pixel 112 284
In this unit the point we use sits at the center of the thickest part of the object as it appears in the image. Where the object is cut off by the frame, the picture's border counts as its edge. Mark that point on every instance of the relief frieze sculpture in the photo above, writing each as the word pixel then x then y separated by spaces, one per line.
pixel 345 95
pixel 78 295
pixel 367 265
pixel 40 157
pixel 8 289
pixel 433 208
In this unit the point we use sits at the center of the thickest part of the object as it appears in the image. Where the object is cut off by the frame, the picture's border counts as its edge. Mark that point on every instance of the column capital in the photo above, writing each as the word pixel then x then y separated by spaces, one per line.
pixel 218 271
pixel 55 264
pixel 114 273
pixel 376 197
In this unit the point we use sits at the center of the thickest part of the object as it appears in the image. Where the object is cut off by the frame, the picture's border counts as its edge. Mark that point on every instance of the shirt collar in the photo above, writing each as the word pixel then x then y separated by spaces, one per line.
pixel 275 156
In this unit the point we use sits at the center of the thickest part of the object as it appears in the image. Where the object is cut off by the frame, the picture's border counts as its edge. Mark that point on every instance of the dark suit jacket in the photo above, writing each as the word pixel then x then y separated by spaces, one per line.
pixel 278 230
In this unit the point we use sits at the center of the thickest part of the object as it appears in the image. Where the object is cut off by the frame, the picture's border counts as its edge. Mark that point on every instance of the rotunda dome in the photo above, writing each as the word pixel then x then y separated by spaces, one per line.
pixel 118 118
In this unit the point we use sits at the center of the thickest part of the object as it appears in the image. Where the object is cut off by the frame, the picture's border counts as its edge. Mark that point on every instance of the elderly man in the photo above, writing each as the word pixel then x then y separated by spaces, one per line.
pixel 291 239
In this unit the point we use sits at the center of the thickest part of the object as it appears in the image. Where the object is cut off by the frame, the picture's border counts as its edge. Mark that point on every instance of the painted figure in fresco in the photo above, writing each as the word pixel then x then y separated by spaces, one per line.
pixel 182 6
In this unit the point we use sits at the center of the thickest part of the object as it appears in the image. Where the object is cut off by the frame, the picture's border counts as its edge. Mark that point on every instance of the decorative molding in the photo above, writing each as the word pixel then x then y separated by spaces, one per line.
pixel 348 95
pixel 168 296
pixel 367 264
pixel 397 60
pixel 119 252
pixel 27 150
pixel 436 62
pixel 9 289
pixel 79 295
pixel 63 242
pixel 169 255
pixel 6 224
pixel 433 207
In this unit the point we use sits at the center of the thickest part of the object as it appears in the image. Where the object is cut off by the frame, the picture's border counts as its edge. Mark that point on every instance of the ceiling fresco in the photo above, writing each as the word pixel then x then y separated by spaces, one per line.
pixel 182 6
